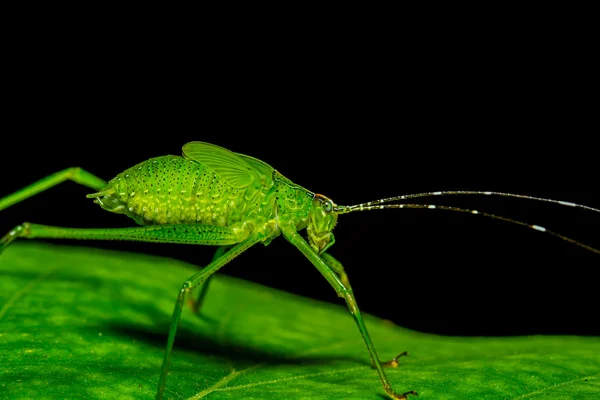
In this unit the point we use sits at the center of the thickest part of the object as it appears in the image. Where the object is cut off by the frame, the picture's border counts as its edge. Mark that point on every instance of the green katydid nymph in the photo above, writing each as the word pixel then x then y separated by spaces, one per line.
pixel 213 196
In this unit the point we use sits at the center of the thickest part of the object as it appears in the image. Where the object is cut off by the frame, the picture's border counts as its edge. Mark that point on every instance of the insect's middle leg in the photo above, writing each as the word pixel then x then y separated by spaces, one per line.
pixel 338 268
pixel 196 280
pixel 74 174
pixel 203 287
pixel 184 234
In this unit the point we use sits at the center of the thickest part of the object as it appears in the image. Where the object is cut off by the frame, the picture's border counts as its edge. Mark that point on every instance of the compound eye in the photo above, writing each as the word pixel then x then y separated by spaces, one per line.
pixel 327 206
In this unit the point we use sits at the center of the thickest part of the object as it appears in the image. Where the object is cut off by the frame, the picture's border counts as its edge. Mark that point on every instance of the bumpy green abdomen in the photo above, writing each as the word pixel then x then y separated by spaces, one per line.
pixel 174 190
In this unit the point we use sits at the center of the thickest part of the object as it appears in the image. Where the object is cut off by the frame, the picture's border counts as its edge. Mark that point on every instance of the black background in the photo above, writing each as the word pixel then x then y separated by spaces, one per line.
pixel 356 121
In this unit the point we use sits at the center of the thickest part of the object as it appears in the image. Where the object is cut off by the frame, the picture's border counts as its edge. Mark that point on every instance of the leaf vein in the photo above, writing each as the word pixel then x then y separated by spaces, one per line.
pixel 555 386
pixel 25 290
pixel 224 381
pixel 290 378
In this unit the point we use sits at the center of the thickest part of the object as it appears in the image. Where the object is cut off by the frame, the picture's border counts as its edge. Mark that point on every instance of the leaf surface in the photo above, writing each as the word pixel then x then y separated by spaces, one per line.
pixel 86 323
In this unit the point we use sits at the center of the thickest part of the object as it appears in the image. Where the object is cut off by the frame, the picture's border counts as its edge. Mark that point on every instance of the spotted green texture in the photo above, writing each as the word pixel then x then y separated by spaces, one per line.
pixel 84 323
pixel 173 190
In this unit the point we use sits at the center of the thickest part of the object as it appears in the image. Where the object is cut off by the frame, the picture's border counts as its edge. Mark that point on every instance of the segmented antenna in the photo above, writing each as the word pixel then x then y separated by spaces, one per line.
pixel 471 192
pixel 379 205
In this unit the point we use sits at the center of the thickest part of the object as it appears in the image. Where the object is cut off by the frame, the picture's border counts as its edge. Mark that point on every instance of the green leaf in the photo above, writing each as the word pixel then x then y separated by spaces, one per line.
pixel 86 323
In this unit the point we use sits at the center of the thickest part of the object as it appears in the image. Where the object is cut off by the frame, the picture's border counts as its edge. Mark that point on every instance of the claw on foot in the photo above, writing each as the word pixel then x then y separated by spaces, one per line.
pixel 393 363
pixel 404 396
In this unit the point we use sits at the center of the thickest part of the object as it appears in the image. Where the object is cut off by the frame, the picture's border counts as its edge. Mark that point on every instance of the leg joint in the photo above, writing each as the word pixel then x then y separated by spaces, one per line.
pixel 21 230
pixel 74 172
pixel 188 286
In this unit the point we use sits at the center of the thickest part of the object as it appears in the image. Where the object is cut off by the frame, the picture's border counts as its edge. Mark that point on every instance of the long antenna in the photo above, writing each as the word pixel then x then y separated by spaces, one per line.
pixel 378 205
pixel 471 192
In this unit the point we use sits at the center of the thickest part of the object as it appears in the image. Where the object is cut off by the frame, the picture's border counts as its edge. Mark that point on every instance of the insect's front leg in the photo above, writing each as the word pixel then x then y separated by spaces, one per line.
pixel 338 268
pixel 335 281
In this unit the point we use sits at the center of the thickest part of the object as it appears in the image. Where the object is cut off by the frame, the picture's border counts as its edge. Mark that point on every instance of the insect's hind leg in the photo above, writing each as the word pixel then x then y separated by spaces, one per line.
pixel 338 268
pixel 74 174
pixel 184 234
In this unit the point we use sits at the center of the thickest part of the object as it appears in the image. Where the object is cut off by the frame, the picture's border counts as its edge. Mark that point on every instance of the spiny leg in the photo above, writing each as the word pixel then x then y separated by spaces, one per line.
pixel 189 285
pixel 342 291
pixel 74 174
pixel 203 287
pixel 338 268
pixel 185 234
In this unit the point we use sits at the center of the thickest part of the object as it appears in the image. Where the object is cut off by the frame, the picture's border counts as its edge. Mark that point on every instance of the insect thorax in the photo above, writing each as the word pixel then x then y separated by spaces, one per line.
pixel 174 190
pixel 293 202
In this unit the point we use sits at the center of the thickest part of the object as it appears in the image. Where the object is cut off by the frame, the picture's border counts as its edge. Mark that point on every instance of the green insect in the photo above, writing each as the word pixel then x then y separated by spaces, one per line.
pixel 213 196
